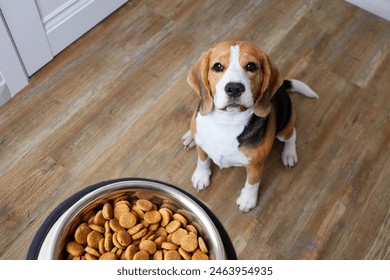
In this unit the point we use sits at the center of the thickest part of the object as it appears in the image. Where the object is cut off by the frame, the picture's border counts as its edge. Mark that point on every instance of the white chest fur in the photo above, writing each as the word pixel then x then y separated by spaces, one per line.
pixel 216 134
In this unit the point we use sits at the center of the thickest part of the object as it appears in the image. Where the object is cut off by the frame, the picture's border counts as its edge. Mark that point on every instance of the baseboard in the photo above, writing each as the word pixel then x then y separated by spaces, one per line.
pixel 69 22
pixel 5 95
pixel 380 8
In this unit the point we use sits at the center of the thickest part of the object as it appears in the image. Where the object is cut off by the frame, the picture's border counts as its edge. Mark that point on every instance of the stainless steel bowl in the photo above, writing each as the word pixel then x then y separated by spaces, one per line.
pixel 159 193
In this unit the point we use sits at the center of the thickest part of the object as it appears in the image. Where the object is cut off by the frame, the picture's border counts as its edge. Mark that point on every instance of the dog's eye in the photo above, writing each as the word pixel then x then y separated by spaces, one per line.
pixel 218 67
pixel 251 67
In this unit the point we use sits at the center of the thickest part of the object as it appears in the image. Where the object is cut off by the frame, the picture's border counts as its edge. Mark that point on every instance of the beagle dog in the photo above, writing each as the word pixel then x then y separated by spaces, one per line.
pixel 244 104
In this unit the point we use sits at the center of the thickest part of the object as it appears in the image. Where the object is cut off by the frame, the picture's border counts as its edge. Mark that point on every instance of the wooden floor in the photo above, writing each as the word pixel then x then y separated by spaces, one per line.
pixel 116 103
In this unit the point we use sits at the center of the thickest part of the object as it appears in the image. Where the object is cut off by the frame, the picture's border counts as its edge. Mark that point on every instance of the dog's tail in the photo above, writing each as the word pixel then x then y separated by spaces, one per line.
pixel 299 86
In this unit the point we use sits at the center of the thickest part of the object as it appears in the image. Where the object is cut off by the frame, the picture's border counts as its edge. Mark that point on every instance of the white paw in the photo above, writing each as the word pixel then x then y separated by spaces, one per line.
pixel 201 178
pixel 289 156
pixel 188 140
pixel 248 197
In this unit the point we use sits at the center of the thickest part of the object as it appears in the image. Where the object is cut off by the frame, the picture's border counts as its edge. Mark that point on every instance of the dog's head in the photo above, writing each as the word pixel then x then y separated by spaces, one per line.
pixel 235 76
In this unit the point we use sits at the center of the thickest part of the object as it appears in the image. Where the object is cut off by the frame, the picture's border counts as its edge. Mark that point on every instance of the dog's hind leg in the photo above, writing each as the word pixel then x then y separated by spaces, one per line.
pixel 188 140
pixel 288 135
pixel 289 154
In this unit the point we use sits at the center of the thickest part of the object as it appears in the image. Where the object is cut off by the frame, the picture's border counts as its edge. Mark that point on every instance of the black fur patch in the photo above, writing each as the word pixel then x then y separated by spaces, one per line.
pixel 282 104
pixel 253 132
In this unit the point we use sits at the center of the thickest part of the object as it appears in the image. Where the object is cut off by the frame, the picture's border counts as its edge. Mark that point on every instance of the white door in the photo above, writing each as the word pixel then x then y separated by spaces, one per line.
pixel 12 75
pixel 42 28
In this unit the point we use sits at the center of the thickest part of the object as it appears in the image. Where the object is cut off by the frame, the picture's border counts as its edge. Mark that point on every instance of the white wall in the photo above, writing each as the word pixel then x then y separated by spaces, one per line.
pixel 380 8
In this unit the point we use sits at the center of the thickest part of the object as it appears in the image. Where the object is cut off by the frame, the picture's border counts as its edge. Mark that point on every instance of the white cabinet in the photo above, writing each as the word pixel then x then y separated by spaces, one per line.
pixel 40 29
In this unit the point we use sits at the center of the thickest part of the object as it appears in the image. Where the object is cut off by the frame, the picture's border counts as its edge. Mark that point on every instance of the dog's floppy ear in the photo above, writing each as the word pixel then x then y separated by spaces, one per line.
pixel 198 80
pixel 272 80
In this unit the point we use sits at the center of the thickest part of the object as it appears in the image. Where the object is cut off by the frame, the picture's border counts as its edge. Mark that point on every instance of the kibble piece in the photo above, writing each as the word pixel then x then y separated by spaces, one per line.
pixel 119 253
pixel 181 219
pixel 199 255
pixel 90 257
pixel 93 251
pixel 74 248
pixel 115 226
pixel 165 216
pixel 96 228
pixel 138 212
pixel 159 240
pixel 141 255
pixel 122 257
pixel 116 242
pixel 93 239
pixel 99 219
pixel 191 228
pixel 189 243
pixel 169 246
pixel 148 235
pixel 108 211
pixel 172 255
pixel 161 232
pixel 202 245
pixel 127 220
pixel 124 201
pixel 107 229
pixel 130 252
pixel 158 256
pixel 185 255
pixel 154 227
pixel 145 223
pixel 151 238
pixel 120 209
pixel 178 235
pixel 152 217
pixel 140 234
pixel 172 226
pixel 81 233
pixel 169 237
pixel 144 205
pixel 108 244
pixel 102 250
pixel 148 246
pixel 108 256
pixel 123 238
pixel 136 229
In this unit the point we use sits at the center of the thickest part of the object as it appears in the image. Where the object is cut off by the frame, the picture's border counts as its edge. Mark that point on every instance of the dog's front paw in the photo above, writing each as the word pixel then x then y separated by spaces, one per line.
pixel 248 197
pixel 201 178
pixel 246 203
pixel 188 140
pixel 289 156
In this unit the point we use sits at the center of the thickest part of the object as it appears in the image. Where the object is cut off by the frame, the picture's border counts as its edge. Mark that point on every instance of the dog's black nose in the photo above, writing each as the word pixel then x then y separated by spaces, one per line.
pixel 234 89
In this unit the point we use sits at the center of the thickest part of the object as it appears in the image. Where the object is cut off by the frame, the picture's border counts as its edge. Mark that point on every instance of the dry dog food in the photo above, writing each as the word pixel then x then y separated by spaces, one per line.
pixel 137 230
